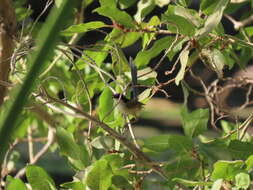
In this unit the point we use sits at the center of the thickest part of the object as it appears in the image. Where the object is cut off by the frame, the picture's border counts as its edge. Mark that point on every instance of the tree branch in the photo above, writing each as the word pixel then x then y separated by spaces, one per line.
pixel 130 146
pixel 7 33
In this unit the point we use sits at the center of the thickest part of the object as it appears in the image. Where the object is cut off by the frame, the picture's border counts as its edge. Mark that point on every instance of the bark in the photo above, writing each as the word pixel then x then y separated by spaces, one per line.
pixel 7 34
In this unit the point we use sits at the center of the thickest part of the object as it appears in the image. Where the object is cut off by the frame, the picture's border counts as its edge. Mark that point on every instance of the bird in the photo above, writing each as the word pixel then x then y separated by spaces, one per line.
pixel 128 106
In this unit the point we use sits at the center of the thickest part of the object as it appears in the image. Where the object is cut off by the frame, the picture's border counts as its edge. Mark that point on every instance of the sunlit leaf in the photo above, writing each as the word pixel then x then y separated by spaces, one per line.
pixel 217 184
pixel 74 185
pixel 100 176
pixel 214 19
pixel 215 59
pixel 124 4
pixel 144 7
pixel 162 3
pixel 15 183
pixel 116 15
pixel 226 169
pixel 207 6
pixel 103 142
pixel 143 57
pixel 249 162
pixel 242 181
pixel 184 55
pixel 111 3
pixel 178 24
pixel 106 105
pixel 82 28
pixel 39 179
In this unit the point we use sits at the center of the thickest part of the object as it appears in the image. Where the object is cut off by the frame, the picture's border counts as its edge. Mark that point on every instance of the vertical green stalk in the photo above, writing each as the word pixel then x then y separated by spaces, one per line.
pixel 46 41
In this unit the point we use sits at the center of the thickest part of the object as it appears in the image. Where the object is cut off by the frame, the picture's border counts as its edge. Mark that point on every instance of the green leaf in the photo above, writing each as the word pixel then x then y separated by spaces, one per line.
pixel 77 155
pixel 177 47
pixel 124 39
pixel 207 6
pixel 111 3
pixel 190 183
pixel 143 57
pixel 157 143
pixel 184 166
pixel 242 181
pixel 100 176
pixel 184 55
pixel 103 142
pixel 116 163
pixel 240 150
pixel 124 4
pixel 216 150
pixel 179 24
pixel 97 56
pixel 180 144
pixel 121 183
pixel 143 75
pixel 226 169
pixel 249 30
pixel 177 143
pixel 39 179
pixel 148 37
pixel 214 19
pixel 116 15
pixel 144 7
pixel 217 184
pixel 15 183
pixel 73 185
pixel 66 143
pixel 184 3
pixel 23 123
pixel 22 13
pixel 189 14
pixel 218 62
pixel 194 123
pixel 81 28
pixel 162 3
pixel 106 105
pixel 249 163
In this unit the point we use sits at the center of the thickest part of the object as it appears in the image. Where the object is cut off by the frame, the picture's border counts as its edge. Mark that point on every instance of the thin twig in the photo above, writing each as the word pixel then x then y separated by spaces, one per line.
pixel 30 144
pixel 44 149
pixel 131 147
pixel 131 132
pixel 240 24
pixel 244 126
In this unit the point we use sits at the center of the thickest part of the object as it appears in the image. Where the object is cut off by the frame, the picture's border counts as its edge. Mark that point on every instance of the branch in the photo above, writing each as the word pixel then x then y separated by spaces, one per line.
pixel 130 146
pixel 44 149
pixel 43 115
pixel 7 33
pixel 240 24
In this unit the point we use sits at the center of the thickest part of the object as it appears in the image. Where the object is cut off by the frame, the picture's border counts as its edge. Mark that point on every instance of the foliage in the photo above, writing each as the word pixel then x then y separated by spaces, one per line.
pixel 84 126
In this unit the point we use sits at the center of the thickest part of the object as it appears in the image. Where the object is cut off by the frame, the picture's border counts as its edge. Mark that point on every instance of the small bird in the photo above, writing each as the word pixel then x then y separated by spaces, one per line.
pixel 128 106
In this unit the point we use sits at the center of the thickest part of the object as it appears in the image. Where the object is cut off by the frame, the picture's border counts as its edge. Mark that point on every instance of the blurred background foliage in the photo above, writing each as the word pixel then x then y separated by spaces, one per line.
pixel 194 76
